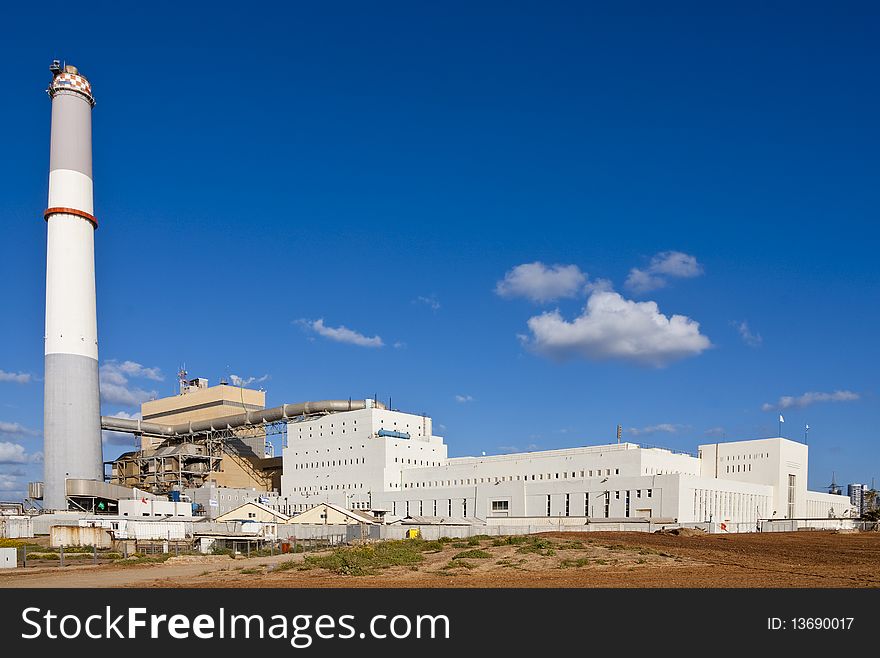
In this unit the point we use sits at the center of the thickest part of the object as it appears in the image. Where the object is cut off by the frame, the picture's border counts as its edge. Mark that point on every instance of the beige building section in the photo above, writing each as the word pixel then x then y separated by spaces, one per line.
pixel 240 467
pixel 200 402
pixel 254 512
pixel 329 514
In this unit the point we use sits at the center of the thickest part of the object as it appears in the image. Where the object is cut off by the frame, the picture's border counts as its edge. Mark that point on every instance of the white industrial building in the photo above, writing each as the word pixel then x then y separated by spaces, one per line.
pixel 379 459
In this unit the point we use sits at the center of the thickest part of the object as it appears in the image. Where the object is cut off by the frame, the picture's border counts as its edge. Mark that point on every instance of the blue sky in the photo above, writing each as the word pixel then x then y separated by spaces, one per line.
pixel 489 212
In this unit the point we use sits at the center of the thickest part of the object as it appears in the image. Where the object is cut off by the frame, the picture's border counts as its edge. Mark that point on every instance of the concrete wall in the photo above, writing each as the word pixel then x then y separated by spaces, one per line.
pixel 140 508
pixel 824 505
pixel 74 535
pixel 15 527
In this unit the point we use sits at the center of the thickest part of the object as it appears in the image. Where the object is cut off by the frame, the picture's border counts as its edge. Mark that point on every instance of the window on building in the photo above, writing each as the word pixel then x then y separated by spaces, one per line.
pixel 500 505
pixel 548 504
pixel 568 504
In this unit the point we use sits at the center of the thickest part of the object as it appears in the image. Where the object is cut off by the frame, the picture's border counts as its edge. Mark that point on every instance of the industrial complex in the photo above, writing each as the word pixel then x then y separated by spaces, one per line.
pixel 205 470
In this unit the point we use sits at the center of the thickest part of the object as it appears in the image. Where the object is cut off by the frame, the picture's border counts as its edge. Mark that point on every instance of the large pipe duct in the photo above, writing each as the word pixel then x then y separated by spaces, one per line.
pixel 72 413
pixel 273 415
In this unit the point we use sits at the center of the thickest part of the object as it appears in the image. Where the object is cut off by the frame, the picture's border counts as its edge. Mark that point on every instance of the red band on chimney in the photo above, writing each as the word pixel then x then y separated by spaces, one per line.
pixel 70 211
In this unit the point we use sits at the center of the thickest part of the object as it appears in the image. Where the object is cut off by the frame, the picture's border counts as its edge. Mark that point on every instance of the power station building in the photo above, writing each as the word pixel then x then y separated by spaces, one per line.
pixel 379 459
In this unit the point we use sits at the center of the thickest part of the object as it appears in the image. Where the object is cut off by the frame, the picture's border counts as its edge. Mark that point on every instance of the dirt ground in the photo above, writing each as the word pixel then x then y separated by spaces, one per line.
pixel 801 559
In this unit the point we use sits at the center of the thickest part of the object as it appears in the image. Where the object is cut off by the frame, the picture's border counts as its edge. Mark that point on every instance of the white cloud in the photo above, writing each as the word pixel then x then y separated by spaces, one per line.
pixel 341 334
pixel 664 265
pixel 12 453
pixel 115 387
pixel 668 428
pixel 611 327
pixel 244 381
pixel 752 339
pixel 16 429
pixel 541 283
pixel 812 397
pixel 464 398
pixel 429 301
pixel 11 485
pixel 715 431
pixel 15 377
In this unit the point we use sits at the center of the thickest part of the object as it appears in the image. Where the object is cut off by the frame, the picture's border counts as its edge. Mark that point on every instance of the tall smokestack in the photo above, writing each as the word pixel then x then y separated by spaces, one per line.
pixel 72 413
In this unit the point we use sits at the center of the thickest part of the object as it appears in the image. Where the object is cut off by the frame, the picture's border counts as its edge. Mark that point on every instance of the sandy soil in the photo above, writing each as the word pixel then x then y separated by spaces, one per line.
pixel 803 559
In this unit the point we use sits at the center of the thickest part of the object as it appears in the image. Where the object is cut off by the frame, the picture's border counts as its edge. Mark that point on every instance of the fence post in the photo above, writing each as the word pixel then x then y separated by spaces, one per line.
pixel 61 557
pixel 95 554
pixel 24 556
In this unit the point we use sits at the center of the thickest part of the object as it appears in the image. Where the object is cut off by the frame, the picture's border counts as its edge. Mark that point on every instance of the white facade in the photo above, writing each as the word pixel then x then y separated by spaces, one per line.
pixel 361 460
pixel 136 508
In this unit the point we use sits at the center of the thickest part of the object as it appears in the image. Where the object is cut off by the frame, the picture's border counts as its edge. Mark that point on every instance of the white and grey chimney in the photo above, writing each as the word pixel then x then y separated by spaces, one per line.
pixel 72 412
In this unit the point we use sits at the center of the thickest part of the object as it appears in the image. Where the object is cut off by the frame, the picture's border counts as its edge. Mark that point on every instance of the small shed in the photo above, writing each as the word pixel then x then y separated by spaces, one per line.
pixel 330 514
pixel 254 511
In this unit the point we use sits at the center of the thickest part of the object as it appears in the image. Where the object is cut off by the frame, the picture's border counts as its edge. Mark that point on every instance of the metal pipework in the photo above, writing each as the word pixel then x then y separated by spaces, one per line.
pixel 260 417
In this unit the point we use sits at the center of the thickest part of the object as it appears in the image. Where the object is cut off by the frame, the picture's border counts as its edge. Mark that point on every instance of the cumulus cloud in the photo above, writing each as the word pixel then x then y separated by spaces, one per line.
pixel 668 428
pixel 750 338
pixel 16 429
pixel 15 453
pixel 341 334
pixel 663 266
pixel 10 485
pixel 611 327
pixel 429 301
pixel 15 377
pixel 12 453
pixel 812 397
pixel 244 381
pixel 542 283
pixel 115 385
pixel 464 398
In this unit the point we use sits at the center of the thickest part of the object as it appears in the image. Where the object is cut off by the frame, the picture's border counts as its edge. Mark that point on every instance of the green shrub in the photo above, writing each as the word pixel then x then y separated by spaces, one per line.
pixel 366 560
pixel 459 544
pixel 513 540
pixel 580 562
pixel 475 554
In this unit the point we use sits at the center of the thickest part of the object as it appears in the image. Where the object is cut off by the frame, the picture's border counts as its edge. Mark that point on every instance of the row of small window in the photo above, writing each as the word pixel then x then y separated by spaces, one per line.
pixel 416 462
pixel 732 458
pixel 341 462
pixel 328 450
pixel 504 478
pixel 331 487
pixel 320 427
pixel 737 467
